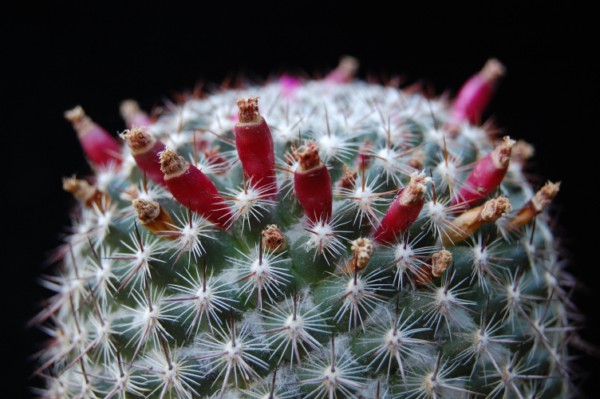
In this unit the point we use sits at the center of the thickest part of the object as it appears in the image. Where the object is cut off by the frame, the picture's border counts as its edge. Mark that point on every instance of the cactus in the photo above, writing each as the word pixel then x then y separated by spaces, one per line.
pixel 308 239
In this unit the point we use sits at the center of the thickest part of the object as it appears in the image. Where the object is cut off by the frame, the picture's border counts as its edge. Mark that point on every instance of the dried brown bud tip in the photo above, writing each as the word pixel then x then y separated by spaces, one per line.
pixel 273 239
pixel 540 201
pixel 154 217
pixel 493 70
pixel 440 262
pixel 75 115
pixel 172 164
pixel 138 139
pixel 362 249
pixel 545 195
pixel 501 154
pixel 493 209
pixel 248 110
pixel 80 121
pixel 147 211
pixel 470 221
pixel 83 191
pixel 522 151
pixel 129 109
pixel 415 190
pixel 308 156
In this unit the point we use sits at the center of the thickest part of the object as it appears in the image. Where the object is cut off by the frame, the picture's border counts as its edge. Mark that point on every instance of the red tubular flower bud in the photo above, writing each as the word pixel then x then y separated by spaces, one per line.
pixel 403 212
pixel 476 93
pixel 254 145
pixel 486 176
pixel 146 152
pixel 98 145
pixel 193 189
pixel 345 71
pixel 133 115
pixel 312 184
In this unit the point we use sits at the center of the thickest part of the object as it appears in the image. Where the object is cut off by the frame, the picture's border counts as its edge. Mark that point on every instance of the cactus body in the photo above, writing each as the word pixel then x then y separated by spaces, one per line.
pixel 392 286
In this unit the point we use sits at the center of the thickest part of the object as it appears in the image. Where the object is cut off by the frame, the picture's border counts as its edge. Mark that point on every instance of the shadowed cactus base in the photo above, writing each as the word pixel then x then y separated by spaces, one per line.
pixel 339 240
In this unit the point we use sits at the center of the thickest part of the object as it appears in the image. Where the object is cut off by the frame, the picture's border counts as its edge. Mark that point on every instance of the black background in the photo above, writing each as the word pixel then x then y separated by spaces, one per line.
pixel 56 56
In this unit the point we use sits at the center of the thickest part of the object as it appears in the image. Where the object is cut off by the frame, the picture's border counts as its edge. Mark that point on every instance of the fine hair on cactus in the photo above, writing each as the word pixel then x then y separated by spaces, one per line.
pixel 308 238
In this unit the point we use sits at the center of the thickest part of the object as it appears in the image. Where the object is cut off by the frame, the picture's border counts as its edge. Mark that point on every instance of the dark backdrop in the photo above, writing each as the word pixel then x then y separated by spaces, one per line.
pixel 56 56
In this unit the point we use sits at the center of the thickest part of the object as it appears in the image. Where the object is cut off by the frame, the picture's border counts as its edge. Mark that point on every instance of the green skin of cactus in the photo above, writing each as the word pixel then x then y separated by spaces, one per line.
pixel 443 358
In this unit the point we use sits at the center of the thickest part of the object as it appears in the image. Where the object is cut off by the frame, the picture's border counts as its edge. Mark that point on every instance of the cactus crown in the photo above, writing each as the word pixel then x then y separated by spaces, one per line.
pixel 323 239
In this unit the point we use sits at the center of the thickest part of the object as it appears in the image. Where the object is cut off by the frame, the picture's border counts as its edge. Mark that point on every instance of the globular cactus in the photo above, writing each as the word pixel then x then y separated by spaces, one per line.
pixel 308 239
